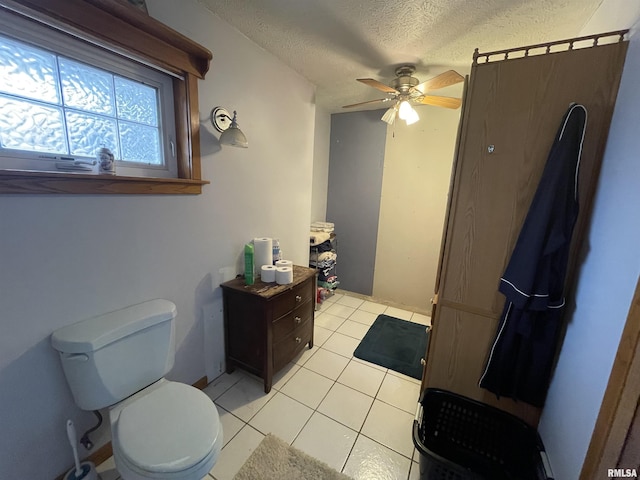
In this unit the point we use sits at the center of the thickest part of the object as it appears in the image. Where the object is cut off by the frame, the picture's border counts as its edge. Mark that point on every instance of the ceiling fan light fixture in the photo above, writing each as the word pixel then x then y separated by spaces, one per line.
pixel 405 110
pixel 407 113
pixel 412 117
pixel 390 115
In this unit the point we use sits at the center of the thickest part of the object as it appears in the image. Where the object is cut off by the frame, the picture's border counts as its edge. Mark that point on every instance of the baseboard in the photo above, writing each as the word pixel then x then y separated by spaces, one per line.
pixel 200 384
pixel 105 452
pixel 389 303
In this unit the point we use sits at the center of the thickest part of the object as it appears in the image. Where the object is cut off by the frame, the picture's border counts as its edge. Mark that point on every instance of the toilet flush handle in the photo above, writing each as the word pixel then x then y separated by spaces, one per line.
pixel 76 357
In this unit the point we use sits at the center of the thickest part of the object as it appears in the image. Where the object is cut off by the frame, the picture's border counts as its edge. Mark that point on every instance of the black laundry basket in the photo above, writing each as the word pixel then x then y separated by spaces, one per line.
pixel 462 439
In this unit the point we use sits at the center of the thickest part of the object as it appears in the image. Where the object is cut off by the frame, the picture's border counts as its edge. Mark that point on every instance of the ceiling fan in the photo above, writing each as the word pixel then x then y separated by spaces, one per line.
pixel 406 89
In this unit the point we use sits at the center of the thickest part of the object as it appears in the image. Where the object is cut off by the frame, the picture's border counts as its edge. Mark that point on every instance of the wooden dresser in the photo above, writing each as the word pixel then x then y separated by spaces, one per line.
pixel 266 325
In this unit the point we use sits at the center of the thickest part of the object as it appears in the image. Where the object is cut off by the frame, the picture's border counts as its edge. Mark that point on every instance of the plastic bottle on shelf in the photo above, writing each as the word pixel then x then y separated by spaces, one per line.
pixel 248 264
pixel 277 254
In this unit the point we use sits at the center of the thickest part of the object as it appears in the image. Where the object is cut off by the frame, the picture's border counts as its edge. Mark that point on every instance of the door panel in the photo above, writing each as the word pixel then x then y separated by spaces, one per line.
pixel 456 356
pixel 515 107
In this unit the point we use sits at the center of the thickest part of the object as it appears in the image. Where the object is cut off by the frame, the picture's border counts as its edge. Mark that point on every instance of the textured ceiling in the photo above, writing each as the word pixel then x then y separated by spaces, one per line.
pixel 333 42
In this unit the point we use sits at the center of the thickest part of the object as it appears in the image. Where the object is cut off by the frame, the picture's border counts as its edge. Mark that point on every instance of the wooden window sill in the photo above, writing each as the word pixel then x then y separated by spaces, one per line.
pixel 27 181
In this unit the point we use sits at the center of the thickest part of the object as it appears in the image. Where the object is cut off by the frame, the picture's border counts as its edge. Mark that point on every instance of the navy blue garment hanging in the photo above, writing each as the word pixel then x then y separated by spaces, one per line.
pixel 521 358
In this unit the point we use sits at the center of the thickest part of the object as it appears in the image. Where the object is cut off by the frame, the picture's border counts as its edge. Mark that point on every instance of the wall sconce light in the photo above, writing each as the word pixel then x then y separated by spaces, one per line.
pixel 231 133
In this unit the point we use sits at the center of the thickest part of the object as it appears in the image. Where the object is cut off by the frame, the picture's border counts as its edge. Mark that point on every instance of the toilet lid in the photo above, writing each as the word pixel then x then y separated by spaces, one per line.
pixel 169 430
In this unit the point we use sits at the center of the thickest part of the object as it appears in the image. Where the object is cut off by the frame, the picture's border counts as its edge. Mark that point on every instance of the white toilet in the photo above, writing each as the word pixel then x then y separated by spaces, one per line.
pixel 159 429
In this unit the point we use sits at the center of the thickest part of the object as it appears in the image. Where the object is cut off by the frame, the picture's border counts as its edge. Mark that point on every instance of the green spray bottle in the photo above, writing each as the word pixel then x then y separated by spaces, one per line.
pixel 248 264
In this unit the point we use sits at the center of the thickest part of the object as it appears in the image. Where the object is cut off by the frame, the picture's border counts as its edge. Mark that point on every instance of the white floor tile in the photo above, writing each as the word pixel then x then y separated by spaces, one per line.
pixel 370 460
pixel 107 470
pixel 391 427
pixel 245 398
pixel 328 321
pixel 231 424
pixel 223 383
pixel 339 310
pixel 341 344
pixel 421 319
pixel 405 377
pixel 282 416
pixel 304 355
pixel 400 393
pixel 334 298
pixel 322 306
pixel 283 376
pixel 353 329
pixel 233 456
pixel 415 471
pixel 398 313
pixel 326 440
pixel 361 316
pixel 362 377
pixel 373 307
pixel 346 405
pixel 369 364
pixel 327 363
pixel 320 335
pixel 352 302
pixel 307 387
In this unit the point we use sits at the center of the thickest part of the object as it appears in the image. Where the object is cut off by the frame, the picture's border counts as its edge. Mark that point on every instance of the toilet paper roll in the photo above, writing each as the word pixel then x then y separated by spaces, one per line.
pixel 263 251
pixel 268 273
pixel 284 263
pixel 284 275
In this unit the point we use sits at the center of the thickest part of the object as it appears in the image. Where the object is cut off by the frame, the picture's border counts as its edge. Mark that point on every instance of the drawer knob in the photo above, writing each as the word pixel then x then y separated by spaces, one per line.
pixel 297 319
pixel 422 361
pixel 298 339
pixel 298 298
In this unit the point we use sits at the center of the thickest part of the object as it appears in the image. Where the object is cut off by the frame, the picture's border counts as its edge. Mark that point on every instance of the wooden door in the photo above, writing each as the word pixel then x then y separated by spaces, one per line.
pixel 513 111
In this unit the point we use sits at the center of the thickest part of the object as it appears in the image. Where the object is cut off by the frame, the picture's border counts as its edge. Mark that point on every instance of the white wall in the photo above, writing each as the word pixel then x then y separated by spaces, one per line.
pixel 608 274
pixel 415 184
pixel 321 144
pixel 67 257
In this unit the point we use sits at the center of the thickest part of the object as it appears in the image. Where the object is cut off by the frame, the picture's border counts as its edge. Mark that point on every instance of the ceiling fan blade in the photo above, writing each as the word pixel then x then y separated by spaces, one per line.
pixel 376 84
pixel 446 102
pixel 365 103
pixel 450 77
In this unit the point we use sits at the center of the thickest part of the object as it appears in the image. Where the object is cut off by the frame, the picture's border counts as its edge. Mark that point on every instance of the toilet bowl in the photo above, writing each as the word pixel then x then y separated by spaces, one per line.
pixel 167 431
pixel 160 429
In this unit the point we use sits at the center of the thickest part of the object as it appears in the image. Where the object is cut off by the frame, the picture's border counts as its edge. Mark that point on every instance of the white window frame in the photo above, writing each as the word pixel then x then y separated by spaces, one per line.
pixel 58 43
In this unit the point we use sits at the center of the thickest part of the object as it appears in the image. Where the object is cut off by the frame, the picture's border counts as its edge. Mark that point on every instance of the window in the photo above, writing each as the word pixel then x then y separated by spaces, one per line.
pixel 61 100
pixel 111 52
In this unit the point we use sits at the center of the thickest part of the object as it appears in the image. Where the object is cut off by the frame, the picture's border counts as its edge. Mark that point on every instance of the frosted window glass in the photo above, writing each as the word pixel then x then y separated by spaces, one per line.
pixel 88 133
pixel 86 88
pixel 28 72
pixel 26 125
pixel 56 105
pixel 136 102
pixel 140 143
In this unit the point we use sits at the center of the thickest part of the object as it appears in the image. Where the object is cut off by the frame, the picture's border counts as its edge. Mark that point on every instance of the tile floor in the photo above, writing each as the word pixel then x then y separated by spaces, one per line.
pixel 353 415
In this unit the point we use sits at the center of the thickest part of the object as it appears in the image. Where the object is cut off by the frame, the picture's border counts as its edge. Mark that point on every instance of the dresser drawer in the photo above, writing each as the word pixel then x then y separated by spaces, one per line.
pixel 292 320
pixel 291 345
pixel 296 297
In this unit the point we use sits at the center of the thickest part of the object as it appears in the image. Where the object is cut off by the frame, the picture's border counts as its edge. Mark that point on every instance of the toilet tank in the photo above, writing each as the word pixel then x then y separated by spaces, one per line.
pixel 110 357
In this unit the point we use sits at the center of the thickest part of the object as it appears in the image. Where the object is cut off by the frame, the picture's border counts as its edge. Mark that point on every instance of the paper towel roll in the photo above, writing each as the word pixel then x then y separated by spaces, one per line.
pixel 268 273
pixel 284 275
pixel 263 251
pixel 284 263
